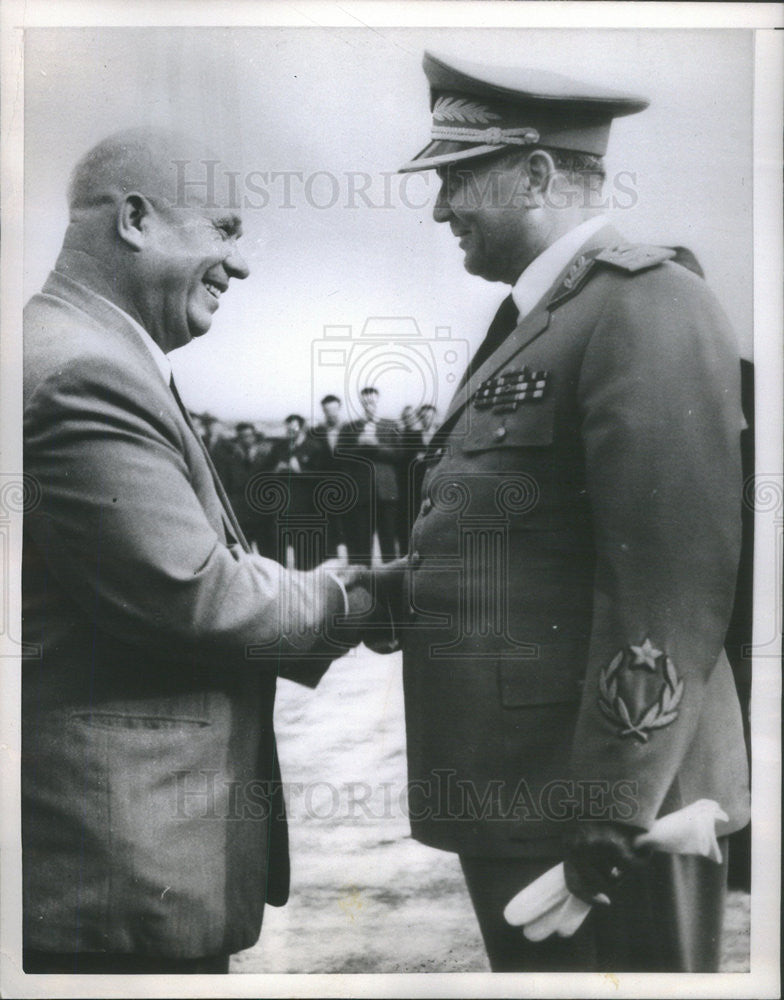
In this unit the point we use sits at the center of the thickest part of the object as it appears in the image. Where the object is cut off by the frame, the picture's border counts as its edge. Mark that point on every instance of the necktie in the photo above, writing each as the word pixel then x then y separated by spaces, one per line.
pixel 504 321
pixel 230 523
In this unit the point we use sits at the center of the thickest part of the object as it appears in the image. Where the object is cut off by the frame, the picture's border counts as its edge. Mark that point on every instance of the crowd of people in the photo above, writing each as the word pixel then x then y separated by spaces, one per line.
pixel 342 484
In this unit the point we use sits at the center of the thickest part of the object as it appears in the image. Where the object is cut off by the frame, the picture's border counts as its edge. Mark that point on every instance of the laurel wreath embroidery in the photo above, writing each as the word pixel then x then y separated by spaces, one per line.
pixel 659 713
pixel 458 109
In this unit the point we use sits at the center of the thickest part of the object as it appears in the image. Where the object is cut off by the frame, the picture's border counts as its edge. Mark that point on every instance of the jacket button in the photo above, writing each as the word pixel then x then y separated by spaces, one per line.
pixel 415 559
pixel 499 433
pixel 427 506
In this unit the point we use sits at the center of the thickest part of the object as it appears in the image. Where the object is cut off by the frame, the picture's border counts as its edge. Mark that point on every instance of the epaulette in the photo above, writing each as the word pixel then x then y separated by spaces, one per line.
pixel 626 257
pixel 635 257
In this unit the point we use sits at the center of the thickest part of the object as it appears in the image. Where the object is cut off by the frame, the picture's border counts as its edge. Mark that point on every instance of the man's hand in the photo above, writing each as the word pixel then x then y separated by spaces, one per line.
pixel 382 635
pixel 376 600
pixel 598 854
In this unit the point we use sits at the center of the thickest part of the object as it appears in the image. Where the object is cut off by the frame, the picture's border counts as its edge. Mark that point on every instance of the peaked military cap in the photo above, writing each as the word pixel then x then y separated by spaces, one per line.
pixel 478 110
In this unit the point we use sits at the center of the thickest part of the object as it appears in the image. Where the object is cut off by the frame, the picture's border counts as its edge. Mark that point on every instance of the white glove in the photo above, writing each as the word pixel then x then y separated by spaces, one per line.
pixel 547 907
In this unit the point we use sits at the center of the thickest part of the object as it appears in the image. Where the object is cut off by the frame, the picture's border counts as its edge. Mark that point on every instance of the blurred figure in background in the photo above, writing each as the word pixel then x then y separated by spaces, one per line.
pixel 326 436
pixel 210 430
pixel 298 456
pixel 411 449
pixel 427 427
pixel 427 422
pixel 329 430
pixel 369 450
pixel 237 462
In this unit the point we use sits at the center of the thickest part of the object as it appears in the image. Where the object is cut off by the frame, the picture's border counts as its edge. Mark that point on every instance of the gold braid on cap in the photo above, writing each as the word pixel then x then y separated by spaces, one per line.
pixel 487 136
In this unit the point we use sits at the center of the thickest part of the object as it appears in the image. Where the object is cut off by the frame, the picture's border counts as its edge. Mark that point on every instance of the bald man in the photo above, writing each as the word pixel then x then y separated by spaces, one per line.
pixel 153 821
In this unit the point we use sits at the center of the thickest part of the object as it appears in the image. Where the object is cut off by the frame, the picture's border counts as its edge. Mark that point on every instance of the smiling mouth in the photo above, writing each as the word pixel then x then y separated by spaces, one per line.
pixel 215 290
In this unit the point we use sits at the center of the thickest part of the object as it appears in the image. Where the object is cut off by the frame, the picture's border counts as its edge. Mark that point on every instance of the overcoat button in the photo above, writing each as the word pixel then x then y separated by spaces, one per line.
pixel 499 433
pixel 427 506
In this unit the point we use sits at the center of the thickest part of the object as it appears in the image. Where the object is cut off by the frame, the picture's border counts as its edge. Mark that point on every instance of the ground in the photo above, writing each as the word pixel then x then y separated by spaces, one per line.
pixel 365 897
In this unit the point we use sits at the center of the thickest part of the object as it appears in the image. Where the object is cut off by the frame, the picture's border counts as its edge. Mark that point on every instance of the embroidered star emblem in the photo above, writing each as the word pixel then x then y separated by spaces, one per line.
pixel 645 655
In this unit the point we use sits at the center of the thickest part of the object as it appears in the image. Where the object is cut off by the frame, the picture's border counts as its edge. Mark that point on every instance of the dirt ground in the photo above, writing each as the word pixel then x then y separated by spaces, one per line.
pixel 365 897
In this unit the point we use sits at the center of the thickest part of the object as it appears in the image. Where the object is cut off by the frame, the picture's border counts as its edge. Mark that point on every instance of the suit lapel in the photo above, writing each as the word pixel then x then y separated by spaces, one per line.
pixel 231 525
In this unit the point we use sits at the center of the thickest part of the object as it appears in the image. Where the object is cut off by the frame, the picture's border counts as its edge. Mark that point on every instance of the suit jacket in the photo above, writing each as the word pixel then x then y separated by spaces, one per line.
pixel 338 500
pixel 327 460
pixel 152 815
pixel 301 485
pixel 372 467
pixel 573 567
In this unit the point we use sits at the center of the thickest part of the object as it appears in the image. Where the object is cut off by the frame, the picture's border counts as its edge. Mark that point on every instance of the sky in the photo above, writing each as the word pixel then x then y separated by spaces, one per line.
pixel 351 279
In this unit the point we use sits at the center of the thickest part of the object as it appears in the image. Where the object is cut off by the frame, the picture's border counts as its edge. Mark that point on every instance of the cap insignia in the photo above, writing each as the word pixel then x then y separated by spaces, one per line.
pixel 458 109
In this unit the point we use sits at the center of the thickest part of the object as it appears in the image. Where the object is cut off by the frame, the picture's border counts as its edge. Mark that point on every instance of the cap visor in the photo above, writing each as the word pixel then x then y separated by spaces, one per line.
pixel 442 151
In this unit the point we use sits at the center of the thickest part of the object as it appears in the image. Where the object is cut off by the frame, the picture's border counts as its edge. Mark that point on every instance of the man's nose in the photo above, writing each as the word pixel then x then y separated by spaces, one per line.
pixel 442 211
pixel 235 265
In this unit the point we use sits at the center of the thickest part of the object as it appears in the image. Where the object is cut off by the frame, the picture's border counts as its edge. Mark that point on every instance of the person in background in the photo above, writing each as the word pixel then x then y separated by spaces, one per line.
pixel 411 450
pixel 427 422
pixel 328 430
pixel 369 452
pixel 297 458
pixel 237 462
pixel 210 430
pixel 326 435
pixel 426 415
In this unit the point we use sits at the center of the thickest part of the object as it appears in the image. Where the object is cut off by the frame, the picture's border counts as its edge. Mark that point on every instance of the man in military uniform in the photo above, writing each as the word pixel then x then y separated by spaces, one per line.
pixel 573 562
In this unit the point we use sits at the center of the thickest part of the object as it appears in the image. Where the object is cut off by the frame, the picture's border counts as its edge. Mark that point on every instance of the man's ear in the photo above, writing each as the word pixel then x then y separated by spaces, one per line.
pixel 132 220
pixel 541 170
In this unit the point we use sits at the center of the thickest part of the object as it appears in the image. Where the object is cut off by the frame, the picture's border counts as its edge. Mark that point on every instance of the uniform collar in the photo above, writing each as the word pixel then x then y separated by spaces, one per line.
pixel 540 274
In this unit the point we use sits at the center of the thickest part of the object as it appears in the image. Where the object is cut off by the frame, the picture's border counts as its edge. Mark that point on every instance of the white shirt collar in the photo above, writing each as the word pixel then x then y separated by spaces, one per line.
pixel 162 362
pixel 542 272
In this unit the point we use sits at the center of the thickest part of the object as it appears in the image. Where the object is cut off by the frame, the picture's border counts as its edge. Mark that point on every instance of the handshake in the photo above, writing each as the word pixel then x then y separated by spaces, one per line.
pixel 374 604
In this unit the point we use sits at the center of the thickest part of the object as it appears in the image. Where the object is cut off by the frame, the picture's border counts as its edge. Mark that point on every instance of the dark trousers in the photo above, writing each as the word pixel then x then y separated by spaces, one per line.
pixel 386 528
pixel 665 917
pixel 363 523
pixel 110 963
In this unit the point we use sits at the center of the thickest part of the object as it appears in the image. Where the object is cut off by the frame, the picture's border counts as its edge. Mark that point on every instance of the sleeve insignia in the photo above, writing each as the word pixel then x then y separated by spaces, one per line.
pixel 639 691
